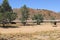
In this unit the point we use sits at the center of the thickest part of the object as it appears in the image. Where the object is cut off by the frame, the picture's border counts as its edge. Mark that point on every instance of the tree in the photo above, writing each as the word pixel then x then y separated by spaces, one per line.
pixel 24 14
pixel 0 8
pixel 7 12
pixel 54 22
pixel 6 7
pixel 1 17
pixel 38 17
pixel 52 18
pixel 11 16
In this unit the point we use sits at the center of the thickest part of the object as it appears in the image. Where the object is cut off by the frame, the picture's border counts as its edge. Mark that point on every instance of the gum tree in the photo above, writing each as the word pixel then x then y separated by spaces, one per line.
pixel 38 17
pixel 54 22
pixel 7 12
pixel 24 14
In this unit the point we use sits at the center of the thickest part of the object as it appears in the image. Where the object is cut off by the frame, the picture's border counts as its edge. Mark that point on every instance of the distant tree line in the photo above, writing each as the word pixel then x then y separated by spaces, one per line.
pixel 25 15
pixel 7 15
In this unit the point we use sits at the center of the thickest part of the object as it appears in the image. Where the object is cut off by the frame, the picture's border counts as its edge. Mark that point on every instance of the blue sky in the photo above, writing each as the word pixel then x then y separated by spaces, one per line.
pixel 53 5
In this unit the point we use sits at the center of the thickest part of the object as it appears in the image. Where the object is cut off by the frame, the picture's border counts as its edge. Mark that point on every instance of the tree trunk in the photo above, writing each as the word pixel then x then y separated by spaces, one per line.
pixel 55 24
pixel 38 23
pixel 3 24
pixel 24 23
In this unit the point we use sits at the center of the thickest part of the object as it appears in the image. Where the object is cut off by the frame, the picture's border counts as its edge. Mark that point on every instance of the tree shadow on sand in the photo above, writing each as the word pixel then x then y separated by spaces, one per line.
pixel 8 26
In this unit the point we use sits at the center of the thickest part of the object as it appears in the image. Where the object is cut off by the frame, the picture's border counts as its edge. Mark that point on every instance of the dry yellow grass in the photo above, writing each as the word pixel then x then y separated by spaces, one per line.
pixel 45 31
pixel 31 29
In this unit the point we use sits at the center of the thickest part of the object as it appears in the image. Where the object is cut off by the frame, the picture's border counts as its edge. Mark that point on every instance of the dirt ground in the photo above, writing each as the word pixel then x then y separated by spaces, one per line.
pixel 45 31
pixel 31 29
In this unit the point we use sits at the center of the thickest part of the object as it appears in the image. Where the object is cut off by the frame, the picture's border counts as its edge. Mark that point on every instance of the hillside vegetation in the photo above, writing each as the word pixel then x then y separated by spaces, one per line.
pixel 46 13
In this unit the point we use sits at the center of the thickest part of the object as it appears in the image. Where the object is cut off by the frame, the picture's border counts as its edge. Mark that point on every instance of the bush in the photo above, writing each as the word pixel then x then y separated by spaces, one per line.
pixel 39 18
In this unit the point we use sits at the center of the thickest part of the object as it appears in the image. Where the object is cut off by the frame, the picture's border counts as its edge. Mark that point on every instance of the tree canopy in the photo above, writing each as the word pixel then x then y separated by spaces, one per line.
pixel 25 14
pixel 6 12
pixel 39 18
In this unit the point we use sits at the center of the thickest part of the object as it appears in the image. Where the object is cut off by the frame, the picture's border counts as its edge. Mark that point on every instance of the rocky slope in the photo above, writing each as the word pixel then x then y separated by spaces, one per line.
pixel 46 13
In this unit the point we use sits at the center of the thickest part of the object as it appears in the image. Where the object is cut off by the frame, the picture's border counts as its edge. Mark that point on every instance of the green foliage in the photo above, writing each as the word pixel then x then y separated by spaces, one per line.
pixel 1 17
pixel 25 14
pixel 6 12
pixel 11 16
pixel 53 18
pixel 39 18
pixel 6 7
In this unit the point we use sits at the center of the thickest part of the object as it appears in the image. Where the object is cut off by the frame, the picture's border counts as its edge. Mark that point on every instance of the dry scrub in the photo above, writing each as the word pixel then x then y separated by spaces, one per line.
pixel 43 35
pixel 39 32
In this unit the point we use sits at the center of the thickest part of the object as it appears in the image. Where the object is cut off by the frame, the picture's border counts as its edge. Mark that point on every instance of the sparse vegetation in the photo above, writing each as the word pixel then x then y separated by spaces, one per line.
pixel 52 18
pixel 11 16
pixel 54 22
pixel 43 35
pixel 39 18
pixel 24 14
pixel 6 13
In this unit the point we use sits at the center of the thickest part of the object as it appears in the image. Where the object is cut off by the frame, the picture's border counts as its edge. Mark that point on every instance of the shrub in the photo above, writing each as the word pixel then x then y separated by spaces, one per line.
pixel 39 18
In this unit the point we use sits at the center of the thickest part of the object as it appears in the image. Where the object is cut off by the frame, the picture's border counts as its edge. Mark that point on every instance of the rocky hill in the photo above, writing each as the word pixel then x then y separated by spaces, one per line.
pixel 46 13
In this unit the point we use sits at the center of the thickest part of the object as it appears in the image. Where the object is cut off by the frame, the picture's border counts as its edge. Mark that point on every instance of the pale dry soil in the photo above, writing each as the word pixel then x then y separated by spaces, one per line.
pixel 45 31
